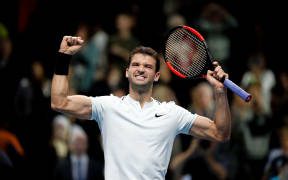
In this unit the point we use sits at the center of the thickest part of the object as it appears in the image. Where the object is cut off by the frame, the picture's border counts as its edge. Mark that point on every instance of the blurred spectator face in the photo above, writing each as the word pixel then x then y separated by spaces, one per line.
pixel 214 12
pixel 82 32
pixel 202 95
pixel 38 70
pixel 124 22
pixel 257 63
pixel 78 143
pixel 5 48
pixel 175 20
pixel 60 132
pixel 61 127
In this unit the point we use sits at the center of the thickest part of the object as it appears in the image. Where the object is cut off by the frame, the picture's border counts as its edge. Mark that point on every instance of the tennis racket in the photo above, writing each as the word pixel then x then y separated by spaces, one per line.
pixel 186 54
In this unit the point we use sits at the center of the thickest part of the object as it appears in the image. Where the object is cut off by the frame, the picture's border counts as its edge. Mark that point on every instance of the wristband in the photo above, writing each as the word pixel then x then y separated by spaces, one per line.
pixel 62 63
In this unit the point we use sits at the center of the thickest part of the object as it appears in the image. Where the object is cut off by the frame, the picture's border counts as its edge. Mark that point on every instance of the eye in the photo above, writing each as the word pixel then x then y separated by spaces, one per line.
pixel 149 66
pixel 135 64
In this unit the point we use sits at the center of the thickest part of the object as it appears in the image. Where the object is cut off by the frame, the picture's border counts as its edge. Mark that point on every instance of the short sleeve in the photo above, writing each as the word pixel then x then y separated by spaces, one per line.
pixel 98 107
pixel 185 120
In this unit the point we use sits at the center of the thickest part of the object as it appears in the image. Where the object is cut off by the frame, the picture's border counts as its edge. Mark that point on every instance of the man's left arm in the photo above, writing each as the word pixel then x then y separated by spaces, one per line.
pixel 220 128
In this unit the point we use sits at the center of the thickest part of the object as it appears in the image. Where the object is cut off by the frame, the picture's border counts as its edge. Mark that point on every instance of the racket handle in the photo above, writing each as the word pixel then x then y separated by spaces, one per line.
pixel 237 90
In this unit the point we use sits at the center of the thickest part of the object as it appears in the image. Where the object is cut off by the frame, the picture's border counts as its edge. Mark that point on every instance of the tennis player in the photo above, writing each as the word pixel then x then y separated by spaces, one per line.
pixel 137 130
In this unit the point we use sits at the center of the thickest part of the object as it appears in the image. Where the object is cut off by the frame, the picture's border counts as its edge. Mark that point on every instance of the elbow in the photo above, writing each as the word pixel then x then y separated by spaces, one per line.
pixel 222 138
pixel 54 107
pixel 58 105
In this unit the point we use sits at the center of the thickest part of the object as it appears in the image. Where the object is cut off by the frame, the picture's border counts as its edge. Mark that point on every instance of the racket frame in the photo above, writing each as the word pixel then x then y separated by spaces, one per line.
pixel 208 65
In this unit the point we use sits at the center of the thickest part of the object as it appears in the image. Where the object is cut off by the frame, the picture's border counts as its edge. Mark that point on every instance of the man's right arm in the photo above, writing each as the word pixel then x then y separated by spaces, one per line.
pixel 77 105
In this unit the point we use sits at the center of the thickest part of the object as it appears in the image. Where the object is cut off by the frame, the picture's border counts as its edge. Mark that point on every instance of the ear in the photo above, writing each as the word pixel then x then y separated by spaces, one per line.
pixel 126 73
pixel 157 76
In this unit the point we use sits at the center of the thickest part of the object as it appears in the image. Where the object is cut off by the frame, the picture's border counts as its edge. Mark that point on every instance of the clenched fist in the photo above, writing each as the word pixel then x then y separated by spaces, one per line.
pixel 70 45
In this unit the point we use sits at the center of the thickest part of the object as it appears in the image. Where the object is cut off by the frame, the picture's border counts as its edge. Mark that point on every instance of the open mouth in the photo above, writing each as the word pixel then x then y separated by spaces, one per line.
pixel 140 77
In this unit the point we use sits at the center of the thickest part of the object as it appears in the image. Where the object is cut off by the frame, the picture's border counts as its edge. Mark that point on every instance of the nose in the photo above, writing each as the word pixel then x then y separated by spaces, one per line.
pixel 140 69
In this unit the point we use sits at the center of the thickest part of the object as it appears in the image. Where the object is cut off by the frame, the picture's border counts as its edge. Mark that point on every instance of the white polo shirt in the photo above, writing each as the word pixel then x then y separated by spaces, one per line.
pixel 138 141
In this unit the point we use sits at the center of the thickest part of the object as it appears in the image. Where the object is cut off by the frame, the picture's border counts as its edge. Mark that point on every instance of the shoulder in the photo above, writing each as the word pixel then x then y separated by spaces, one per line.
pixel 170 106
pixel 165 104
pixel 106 99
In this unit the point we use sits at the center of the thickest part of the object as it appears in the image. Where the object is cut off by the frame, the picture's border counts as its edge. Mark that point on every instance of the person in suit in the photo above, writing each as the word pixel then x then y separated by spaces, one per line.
pixel 78 165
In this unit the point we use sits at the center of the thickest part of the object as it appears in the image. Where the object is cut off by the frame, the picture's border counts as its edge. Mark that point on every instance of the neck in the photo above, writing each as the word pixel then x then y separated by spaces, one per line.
pixel 141 96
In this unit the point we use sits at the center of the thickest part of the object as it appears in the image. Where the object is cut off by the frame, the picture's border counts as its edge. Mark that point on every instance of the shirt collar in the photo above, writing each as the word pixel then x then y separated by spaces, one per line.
pixel 136 103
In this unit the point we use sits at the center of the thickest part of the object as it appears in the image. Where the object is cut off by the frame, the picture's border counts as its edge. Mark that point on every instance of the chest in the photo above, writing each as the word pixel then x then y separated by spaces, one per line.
pixel 133 123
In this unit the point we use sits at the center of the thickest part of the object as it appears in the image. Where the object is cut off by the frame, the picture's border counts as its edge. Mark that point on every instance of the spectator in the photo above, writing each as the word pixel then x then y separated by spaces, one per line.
pixel 12 155
pixel 202 101
pixel 6 166
pixel 122 42
pixel 255 130
pixel 259 73
pixel 279 100
pixel 89 63
pixel 31 89
pixel 200 154
pixel 175 20
pixel 78 165
pixel 59 142
pixel 218 25
pixel 277 163
pixel 112 83
pixel 32 106
pixel 8 77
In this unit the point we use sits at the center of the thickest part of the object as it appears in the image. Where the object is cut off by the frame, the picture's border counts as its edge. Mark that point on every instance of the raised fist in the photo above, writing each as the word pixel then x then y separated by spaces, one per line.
pixel 70 45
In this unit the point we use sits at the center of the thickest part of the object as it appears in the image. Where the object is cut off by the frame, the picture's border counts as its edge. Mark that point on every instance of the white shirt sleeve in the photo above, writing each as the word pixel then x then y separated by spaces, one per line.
pixel 185 120
pixel 98 107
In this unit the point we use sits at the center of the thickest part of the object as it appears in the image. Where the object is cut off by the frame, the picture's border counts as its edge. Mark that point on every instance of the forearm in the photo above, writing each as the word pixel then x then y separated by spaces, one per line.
pixel 60 82
pixel 59 91
pixel 77 106
pixel 222 118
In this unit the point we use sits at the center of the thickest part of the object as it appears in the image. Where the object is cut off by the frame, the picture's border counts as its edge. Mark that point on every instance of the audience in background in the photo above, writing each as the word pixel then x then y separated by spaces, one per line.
pixel 8 78
pixel 277 164
pixel 258 143
pixel 259 73
pixel 78 164
pixel 123 41
pixel 60 131
pixel 217 24
pixel 209 157
pixel 90 62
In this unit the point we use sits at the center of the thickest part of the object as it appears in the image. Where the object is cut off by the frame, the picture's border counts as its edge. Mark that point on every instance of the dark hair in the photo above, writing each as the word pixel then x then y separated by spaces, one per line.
pixel 146 51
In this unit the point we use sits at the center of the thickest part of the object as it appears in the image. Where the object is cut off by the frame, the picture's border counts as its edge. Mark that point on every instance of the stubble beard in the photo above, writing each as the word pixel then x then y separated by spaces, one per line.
pixel 140 88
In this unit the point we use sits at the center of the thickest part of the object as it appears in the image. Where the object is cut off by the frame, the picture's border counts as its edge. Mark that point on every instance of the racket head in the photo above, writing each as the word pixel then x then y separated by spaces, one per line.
pixel 186 53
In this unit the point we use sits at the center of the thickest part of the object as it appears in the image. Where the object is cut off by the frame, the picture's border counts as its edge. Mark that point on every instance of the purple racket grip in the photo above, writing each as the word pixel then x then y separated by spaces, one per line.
pixel 237 90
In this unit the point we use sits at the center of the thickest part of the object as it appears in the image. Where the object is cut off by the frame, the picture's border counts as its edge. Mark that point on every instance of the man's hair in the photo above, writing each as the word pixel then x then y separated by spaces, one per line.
pixel 146 51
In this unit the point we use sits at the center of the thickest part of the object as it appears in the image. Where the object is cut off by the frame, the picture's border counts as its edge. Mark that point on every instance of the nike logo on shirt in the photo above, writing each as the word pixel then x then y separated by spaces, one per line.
pixel 158 115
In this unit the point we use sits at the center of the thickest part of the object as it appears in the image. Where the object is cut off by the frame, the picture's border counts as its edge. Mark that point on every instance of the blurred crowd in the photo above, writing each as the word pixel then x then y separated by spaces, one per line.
pixel 38 143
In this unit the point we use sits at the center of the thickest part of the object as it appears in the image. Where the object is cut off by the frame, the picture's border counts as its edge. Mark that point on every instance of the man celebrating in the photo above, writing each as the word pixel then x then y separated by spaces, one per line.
pixel 138 131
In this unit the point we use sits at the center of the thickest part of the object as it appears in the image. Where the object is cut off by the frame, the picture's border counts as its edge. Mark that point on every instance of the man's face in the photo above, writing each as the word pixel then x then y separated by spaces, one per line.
pixel 79 144
pixel 141 71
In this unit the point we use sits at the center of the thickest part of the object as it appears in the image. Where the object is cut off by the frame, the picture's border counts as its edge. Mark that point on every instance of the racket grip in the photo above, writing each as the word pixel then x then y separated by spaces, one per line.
pixel 237 90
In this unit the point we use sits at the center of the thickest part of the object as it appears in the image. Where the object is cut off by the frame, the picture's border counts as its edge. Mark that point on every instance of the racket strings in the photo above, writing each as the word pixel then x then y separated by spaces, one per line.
pixel 188 44
pixel 186 53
